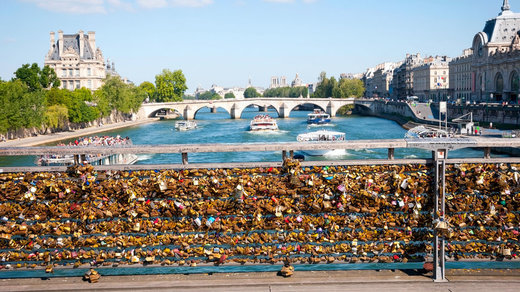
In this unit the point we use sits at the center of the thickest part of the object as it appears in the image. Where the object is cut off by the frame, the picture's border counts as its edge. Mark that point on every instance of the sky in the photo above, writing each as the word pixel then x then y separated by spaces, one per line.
pixel 228 42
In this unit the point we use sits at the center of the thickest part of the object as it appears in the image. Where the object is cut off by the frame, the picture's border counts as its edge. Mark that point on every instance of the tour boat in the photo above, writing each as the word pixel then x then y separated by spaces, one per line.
pixel 185 125
pixel 263 123
pixel 318 117
pixel 93 159
pixel 321 136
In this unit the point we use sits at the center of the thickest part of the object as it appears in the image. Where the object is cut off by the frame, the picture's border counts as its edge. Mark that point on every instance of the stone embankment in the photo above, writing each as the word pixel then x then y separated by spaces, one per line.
pixel 316 215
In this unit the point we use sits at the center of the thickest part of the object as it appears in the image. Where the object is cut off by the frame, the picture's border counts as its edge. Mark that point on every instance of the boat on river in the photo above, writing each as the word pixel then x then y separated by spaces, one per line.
pixel 93 159
pixel 263 123
pixel 318 117
pixel 321 136
pixel 185 125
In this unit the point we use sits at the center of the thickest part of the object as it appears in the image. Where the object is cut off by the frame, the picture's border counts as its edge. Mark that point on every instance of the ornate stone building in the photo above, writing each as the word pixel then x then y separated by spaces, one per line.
pixel 76 60
pixel 378 80
pixel 402 81
pixel 431 80
pixel 492 65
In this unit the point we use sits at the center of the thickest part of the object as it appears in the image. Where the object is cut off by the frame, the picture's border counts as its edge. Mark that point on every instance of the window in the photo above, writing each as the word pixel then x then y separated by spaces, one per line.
pixel 89 84
pixel 70 72
pixel 64 73
pixel 77 84
pixel 71 85
pixel 77 72
pixel 89 72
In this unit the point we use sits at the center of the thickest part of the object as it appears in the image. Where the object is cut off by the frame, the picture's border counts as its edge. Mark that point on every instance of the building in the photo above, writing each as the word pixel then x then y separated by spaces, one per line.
pixel 402 81
pixel 278 82
pixel 297 81
pixel 431 80
pixel 493 62
pixel 378 80
pixel 76 60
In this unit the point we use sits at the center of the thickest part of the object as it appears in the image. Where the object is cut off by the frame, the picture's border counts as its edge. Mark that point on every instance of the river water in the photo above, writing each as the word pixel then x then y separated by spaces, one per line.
pixel 220 128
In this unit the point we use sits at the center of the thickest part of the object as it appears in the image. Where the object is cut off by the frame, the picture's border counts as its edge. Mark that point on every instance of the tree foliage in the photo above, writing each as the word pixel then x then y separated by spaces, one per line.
pixel 55 116
pixel 19 106
pixel 343 89
pixel 115 94
pixel 251 92
pixel 302 91
pixel 229 95
pixel 149 89
pixel 36 78
pixel 170 85
pixel 209 95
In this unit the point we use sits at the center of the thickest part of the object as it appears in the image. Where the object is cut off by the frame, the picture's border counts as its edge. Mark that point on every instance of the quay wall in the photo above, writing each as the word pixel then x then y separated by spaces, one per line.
pixel 352 214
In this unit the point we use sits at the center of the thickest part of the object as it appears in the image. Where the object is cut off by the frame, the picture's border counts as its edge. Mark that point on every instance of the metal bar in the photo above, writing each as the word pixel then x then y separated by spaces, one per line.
pixel 291 153
pixel 487 153
pixel 391 153
pixel 184 158
pixel 284 155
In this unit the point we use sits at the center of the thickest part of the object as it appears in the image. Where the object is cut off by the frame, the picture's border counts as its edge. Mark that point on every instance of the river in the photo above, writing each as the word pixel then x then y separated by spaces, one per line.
pixel 220 128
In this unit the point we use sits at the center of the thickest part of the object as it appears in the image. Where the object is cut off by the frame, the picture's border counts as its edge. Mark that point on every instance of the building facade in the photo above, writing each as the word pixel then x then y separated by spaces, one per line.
pixel 431 80
pixel 76 60
pixel 492 65
pixel 278 82
pixel 402 81
pixel 378 80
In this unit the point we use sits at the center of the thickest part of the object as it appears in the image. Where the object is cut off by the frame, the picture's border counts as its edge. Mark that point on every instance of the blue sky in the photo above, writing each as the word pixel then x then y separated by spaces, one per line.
pixel 226 42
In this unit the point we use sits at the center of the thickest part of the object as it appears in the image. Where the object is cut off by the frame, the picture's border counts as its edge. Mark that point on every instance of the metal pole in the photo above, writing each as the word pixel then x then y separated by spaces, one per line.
pixel 439 213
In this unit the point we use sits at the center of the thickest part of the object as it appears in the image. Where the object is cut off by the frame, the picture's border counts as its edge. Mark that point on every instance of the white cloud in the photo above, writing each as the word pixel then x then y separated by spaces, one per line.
pixel 71 6
pixel 152 3
pixel 191 3
pixel 120 4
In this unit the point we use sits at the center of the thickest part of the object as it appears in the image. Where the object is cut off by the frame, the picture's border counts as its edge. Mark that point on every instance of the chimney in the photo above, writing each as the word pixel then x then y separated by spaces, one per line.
pixel 92 40
pixel 52 40
pixel 81 44
pixel 60 42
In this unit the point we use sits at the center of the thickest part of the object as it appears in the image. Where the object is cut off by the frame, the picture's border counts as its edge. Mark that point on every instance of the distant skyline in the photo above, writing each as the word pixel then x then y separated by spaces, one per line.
pixel 226 42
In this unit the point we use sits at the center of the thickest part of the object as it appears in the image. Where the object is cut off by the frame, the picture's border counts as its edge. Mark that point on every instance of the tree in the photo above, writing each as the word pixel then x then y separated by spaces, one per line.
pixel 19 106
pixel 229 95
pixel 115 94
pixel 170 85
pixel 209 95
pixel 251 93
pixel 37 79
pixel 351 88
pixel 149 89
pixel 56 116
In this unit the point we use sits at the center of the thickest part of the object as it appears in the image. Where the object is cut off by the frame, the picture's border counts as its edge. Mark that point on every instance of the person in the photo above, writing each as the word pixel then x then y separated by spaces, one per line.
pixel 491 125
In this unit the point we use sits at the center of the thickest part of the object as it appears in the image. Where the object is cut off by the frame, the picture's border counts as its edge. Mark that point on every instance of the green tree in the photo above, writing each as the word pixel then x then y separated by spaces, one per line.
pixel 229 95
pixel 82 109
pixel 251 93
pixel 149 89
pixel 37 79
pixel 19 106
pixel 209 95
pixel 170 85
pixel 55 116
pixel 115 94
pixel 351 88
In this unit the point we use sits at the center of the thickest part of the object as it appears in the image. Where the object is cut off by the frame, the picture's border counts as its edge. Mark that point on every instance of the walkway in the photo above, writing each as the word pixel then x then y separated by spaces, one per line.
pixel 388 281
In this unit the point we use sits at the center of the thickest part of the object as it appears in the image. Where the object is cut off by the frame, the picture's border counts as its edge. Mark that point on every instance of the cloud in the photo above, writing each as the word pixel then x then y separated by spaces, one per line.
pixel 289 1
pixel 71 6
pixel 121 4
pixel 151 4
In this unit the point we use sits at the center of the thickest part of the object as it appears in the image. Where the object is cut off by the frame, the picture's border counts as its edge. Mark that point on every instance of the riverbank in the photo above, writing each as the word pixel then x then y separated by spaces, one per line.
pixel 54 137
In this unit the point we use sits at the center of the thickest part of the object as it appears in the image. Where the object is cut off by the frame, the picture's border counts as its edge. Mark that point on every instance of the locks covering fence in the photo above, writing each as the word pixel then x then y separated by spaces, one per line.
pixel 247 216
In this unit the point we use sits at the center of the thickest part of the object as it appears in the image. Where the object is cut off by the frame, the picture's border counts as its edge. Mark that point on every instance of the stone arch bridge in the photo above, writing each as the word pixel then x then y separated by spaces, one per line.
pixel 188 109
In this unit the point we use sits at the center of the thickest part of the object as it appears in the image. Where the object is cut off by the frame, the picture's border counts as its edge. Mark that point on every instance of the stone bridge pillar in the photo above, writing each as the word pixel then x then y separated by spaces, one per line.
pixel 214 110
pixel 331 109
pixel 188 113
pixel 234 112
pixel 284 111
pixel 262 108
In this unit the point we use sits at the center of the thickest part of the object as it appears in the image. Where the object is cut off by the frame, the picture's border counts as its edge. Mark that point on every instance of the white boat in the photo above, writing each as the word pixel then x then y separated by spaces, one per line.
pixel 321 136
pixel 93 159
pixel 318 117
pixel 263 123
pixel 185 125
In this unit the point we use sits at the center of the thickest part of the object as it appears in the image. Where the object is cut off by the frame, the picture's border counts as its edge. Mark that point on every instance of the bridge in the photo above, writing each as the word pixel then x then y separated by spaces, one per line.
pixel 283 106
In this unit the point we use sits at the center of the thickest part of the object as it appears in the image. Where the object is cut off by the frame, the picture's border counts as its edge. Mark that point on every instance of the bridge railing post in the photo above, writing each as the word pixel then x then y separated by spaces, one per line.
pixel 439 247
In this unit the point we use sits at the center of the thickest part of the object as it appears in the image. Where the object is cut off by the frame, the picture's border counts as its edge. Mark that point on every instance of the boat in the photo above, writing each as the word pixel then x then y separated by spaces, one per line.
pixel 185 125
pixel 263 123
pixel 420 132
pixel 93 159
pixel 318 117
pixel 321 136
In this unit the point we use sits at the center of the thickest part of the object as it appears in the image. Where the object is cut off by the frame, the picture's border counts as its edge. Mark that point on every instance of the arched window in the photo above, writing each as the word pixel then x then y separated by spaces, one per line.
pixel 515 82
pixel 499 83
